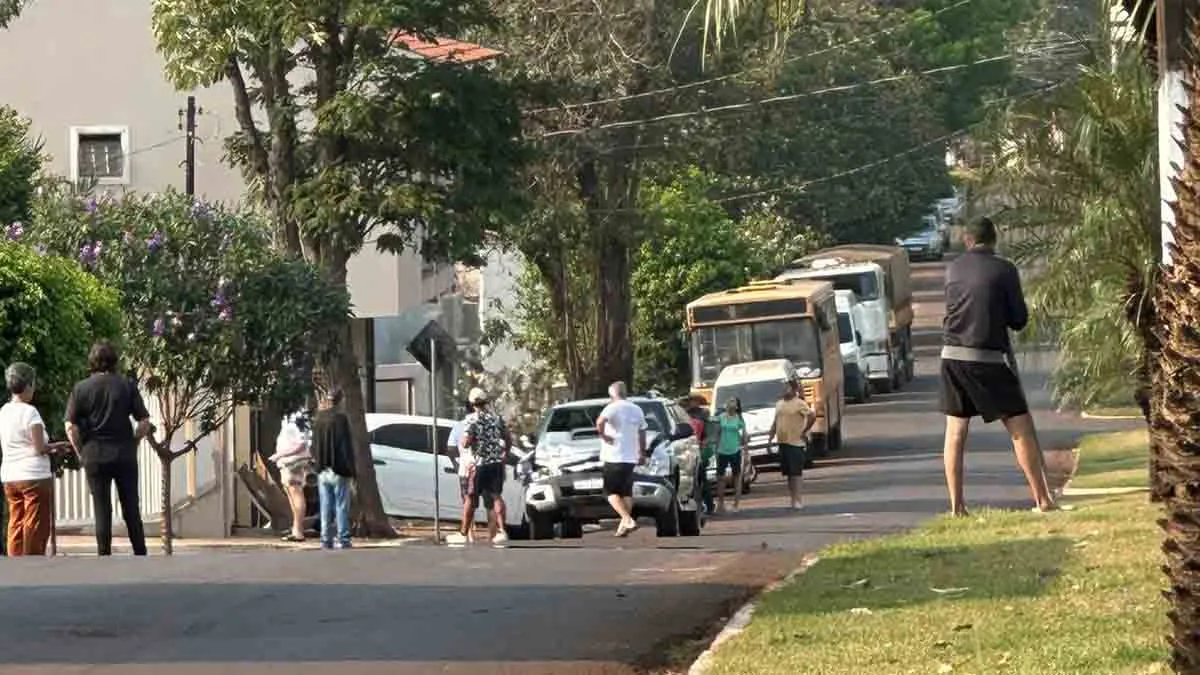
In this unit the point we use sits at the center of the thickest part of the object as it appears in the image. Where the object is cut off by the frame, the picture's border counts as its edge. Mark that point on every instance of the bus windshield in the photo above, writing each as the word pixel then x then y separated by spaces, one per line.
pixel 715 347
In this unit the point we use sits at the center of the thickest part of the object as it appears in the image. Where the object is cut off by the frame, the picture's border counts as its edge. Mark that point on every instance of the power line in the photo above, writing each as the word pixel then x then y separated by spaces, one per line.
pixel 800 187
pixel 784 98
pixel 721 78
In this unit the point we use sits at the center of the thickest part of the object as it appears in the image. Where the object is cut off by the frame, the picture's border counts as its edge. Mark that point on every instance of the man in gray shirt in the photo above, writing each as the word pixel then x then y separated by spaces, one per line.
pixel 984 301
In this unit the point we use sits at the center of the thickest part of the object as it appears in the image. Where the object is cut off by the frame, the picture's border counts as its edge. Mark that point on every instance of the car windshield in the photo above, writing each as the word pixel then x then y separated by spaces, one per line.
pixel 715 347
pixel 753 395
pixel 864 284
pixel 845 331
pixel 566 419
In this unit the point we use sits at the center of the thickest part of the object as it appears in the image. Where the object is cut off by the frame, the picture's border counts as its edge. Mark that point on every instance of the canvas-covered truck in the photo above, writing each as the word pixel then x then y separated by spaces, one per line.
pixel 881 278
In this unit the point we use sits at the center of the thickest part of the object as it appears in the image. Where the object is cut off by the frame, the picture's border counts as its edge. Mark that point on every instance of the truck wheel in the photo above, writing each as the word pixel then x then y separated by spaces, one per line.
pixel 818 445
pixel 666 524
pixel 541 525
pixel 571 528
pixel 518 532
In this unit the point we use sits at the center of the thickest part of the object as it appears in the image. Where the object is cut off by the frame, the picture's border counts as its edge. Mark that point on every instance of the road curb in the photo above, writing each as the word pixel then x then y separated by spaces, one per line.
pixel 1089 416
pixel 741 618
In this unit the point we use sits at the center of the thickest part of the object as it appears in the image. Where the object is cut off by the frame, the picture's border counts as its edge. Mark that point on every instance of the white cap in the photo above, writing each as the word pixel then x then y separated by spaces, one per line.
pixel 477 395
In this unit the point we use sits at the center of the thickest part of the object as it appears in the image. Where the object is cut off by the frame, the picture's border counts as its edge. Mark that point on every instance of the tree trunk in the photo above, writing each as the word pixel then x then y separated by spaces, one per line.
pixel 167 530
pixel 614 339
pixel 342 371
pixel 1178 403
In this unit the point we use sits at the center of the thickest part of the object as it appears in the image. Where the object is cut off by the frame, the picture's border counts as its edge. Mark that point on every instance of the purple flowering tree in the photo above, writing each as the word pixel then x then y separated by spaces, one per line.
pixel 214 318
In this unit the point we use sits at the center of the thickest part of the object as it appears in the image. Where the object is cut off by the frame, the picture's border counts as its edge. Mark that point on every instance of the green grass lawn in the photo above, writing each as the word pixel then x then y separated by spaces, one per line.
pixel 999 592
pixel 1115 460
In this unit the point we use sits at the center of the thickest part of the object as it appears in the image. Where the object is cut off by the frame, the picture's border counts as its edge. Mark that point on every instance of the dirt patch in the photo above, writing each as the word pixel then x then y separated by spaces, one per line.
pixel 751 572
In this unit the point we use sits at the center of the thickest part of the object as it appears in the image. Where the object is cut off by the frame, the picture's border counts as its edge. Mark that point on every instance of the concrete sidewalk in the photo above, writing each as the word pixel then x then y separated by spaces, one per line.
pixel 84 544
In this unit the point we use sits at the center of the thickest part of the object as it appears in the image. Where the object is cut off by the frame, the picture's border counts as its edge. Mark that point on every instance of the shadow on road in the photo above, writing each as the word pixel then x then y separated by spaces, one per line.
pixel 177 623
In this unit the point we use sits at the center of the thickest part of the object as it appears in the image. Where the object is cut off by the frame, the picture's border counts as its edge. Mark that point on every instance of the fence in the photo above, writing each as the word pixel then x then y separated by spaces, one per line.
pixel 73 499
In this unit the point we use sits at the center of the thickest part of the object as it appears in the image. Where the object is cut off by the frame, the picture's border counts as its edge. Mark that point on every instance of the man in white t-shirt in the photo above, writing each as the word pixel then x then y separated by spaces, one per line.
pixel 25 467
pixel 622 428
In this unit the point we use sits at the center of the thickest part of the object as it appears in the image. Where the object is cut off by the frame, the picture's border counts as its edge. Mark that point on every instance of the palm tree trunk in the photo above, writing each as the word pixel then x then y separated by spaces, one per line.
pixel 1176 429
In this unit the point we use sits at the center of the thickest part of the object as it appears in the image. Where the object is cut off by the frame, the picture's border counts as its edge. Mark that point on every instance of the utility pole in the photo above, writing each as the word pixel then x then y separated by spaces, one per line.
pixel 187 124
pixel 1171 27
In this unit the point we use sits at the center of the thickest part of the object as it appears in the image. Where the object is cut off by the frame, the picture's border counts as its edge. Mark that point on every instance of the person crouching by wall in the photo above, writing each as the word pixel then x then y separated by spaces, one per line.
pixel 25 469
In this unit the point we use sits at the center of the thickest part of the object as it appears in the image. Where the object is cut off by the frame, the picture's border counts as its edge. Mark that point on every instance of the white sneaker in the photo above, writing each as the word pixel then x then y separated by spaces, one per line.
pixel 501 539
pixel 457 539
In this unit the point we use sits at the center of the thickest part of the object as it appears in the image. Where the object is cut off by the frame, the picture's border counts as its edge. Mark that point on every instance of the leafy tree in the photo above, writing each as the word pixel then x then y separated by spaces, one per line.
pixel 357 141
pixel 9 9
pixel 51 312
pixel 213 317
pixel 587 223
pixel 20 162
pixel 695 248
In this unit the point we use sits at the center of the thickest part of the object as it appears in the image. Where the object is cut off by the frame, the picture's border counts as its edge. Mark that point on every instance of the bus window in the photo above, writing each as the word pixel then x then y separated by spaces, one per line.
pixel 715 347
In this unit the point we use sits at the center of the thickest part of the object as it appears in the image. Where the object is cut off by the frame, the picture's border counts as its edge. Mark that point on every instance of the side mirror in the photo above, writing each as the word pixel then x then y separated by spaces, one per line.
pixel 682 430
pixel 858 338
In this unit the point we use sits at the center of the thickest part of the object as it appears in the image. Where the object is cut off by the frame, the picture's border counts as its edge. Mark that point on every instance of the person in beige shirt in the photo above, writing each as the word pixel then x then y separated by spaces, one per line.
pixel 793 419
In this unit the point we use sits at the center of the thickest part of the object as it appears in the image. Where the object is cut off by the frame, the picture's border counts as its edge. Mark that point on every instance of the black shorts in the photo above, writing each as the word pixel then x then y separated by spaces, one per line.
pixel 488 484
pixel 791 460
pixel 731 463
pixel 618 479
pixel 988 390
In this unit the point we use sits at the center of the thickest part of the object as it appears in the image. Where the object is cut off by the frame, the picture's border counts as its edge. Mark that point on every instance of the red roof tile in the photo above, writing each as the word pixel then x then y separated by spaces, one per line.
pixel 443 49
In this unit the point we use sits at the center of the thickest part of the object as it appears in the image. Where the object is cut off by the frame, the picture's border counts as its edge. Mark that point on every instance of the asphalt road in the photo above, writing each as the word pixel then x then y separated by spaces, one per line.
pixel 599 605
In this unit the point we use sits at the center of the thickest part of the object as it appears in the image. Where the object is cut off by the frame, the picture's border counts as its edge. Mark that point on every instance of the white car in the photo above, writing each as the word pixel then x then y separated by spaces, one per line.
pixel 404 470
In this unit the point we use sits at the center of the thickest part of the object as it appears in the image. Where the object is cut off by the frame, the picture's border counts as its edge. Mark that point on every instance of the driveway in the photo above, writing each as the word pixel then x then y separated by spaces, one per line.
pixel 598 605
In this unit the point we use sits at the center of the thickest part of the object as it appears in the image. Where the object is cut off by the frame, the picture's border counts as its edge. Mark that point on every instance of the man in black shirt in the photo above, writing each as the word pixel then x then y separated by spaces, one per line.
pixel 333 457
pixel 984 301
pixel 98 425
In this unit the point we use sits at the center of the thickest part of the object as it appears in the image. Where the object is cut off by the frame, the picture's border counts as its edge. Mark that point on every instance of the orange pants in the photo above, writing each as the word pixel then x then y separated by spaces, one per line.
pixel 29 516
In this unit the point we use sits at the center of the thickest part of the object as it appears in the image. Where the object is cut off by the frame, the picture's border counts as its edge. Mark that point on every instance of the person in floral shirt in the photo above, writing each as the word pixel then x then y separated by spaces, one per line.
pixel 486 437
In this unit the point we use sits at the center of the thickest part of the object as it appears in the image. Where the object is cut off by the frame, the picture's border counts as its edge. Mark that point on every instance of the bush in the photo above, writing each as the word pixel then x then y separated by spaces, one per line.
pixel 20 161
pixel 51 312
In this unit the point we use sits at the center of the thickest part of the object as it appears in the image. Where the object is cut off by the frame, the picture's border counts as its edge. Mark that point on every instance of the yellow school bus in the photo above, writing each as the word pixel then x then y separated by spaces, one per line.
pixel 774 320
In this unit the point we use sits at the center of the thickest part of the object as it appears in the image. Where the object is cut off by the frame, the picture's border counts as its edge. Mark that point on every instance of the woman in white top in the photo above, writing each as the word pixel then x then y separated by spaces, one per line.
pixel 25 466
pixel 294 460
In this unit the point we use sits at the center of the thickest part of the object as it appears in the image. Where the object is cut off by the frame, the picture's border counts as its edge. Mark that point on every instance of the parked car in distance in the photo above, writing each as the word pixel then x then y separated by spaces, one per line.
pixel 566 487
pixel 854 364
pixel 924 245
pixel 404 469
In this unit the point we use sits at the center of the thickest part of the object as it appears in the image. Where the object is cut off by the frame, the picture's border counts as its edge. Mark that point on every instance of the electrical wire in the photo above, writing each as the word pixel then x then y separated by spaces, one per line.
pixel 784 98
pixel 721 78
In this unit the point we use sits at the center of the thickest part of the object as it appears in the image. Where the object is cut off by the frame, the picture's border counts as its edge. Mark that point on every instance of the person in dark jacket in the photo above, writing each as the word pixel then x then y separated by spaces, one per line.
pixel 99 428
pixel 979 377
pixel 333 459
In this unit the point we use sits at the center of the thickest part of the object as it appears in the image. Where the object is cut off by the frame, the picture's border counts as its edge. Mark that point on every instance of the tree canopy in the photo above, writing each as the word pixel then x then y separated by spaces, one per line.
pixel 360 142
pixel 213 317
pixel 20 162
